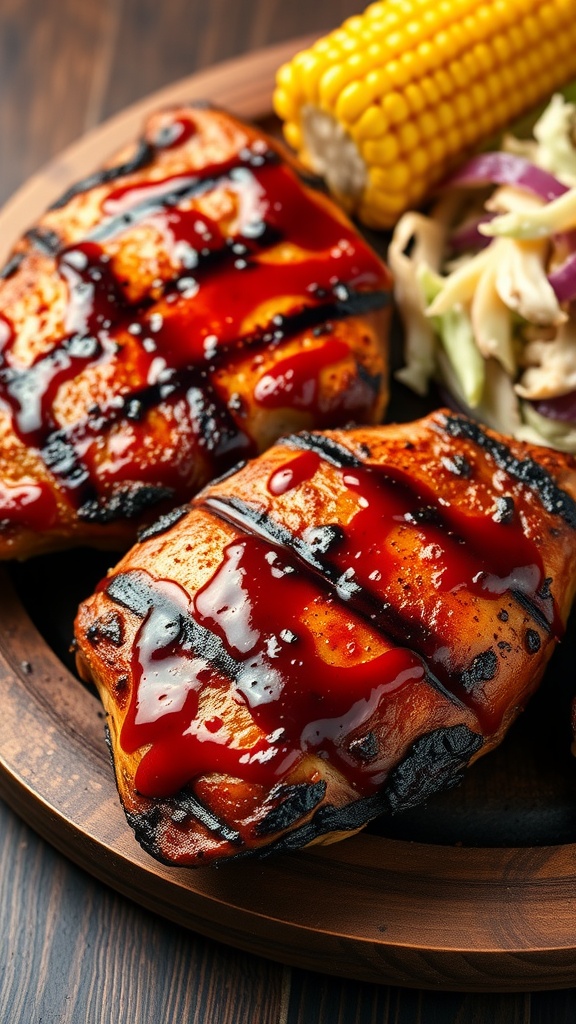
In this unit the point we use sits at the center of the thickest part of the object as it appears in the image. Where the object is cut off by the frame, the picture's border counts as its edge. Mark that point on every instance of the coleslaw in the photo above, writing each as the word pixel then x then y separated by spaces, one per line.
pixel 486 284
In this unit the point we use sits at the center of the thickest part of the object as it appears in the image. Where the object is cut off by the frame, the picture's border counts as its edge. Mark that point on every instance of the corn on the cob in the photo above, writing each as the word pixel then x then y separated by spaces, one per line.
pixel 386 104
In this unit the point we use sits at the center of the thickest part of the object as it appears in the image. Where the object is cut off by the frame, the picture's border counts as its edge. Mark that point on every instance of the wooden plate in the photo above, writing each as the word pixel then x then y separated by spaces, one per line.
pixel 475 892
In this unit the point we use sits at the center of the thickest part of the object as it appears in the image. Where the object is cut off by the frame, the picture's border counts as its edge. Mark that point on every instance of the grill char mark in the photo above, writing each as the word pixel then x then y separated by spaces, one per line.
pixel 447 751
pixel 328 449
pixel 143 157
pixel 366 605
pixel 128 503
pixel 186 805
pixel 12 265
pixel 163 524
pixel 135 592
pixel 59 452
pixel 531 609
pixel 339 456
pixel 43 239
pixel 148 825
pixel 297 800
pixel 57 445
pixel 217 429
pixel 409 783
pixel 526 471
pixel 196 185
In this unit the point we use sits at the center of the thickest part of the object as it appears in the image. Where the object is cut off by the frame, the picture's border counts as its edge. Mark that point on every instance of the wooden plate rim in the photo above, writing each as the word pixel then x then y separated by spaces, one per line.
pixel 372 909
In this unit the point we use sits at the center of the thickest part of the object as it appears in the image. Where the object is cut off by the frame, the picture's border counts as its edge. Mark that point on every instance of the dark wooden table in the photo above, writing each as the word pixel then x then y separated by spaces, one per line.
pixel 72 950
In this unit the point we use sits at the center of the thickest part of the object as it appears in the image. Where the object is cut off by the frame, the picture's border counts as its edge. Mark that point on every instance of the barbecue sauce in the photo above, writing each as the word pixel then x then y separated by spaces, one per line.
pixel 168 344
pixel 256 606
pixel 251 627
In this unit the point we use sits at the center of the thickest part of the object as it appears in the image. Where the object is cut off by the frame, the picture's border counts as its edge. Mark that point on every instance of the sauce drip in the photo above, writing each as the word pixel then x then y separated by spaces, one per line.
pixel 30 505
pixel 402 559
pixel 482 553
pixel 174 133
pixel 259 628
pixel 471 551
pixel 293 473
pixel 406 551
pixel 294 381
pixel 168 344
pixel 300 701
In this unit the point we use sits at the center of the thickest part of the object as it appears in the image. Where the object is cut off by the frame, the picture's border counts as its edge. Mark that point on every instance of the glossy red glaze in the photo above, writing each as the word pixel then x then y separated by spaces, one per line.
pixel 6 332
pixel 295 380
pixel 175 133
pixel 207 310
pixel 252 627
pixel 301 467
pixel 260 606
pixel 30 505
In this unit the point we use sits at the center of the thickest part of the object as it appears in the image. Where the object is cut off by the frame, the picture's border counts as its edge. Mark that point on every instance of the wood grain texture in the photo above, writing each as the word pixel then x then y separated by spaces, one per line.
pixel 51 62
pixel 78 952
pixel 72 949
pixel 371 908
pixel 87 955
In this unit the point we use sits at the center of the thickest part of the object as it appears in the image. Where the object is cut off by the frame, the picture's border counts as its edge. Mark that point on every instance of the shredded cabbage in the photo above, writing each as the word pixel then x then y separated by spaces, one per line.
pixel 496 326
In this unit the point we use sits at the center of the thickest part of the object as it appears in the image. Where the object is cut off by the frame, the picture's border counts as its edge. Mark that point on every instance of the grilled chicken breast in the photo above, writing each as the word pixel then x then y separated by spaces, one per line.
pixel 333 631
pixel 171 314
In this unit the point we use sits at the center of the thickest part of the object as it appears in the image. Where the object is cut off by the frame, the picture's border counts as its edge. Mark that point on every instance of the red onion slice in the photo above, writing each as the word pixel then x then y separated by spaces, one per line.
pixel 563 279
pixel 499 168
pixel 562 408
pixel 469 237
pixel 566 240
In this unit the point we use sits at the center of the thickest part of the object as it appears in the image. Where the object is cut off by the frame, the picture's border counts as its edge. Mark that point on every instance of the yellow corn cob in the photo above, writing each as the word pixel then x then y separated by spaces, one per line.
pixel 386 104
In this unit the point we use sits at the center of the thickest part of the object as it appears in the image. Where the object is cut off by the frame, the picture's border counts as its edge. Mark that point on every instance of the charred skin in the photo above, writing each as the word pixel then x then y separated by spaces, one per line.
pixel 333 631
pixel 170 315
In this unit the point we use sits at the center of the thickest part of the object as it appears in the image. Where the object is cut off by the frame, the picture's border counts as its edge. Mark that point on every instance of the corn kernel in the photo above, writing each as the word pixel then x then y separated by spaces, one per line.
pixel 444 83
pixel 339 38
pixel 463 106
pixel 293 136
pixel 408 135
pixel 310 73
pixel 394 43
pixel 453 139
pixel 416 83
pixel 479 94
pixel 284 105
pixel 352 101
pixel 415 97
pixel 436 149
pixel 425 56
pixel 395 177
pixel 322 46
pixel 354 25
pixel 409 69
pixel 286 78
pixel 428 124
pixel 395 107
pixel 360 63
pixel 417 161
pixel 375 10
pixel 381 151
pixel 379 207
pixel 416 32
pixel 400 72
pixel 371 125
pixel 446 115
pixel 332 82
pixel 380 81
